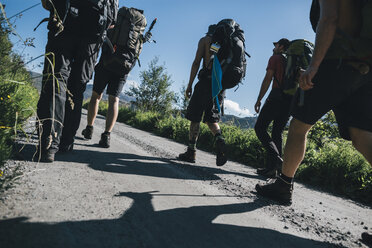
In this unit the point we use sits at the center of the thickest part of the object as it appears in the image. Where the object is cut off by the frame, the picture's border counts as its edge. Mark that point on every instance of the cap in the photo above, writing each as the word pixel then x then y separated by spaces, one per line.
pixel 283 42
pixel 211 29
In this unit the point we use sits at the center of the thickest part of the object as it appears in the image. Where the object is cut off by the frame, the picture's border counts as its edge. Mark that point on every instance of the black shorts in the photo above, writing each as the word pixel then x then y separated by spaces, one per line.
pixel 341 88
pixel 104 77
pixel 201 102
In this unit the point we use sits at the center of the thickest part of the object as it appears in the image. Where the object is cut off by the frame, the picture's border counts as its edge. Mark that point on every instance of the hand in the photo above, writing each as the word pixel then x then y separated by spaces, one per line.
pixel 147 37
pixel 257 106
pixel 306 78
pixel 188 92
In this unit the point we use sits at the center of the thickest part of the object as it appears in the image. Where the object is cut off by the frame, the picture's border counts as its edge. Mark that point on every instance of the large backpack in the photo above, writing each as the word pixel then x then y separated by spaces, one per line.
pixel 93 17
pixel 126 40
pixel 297 56
pixel 231 54
pixel 345 46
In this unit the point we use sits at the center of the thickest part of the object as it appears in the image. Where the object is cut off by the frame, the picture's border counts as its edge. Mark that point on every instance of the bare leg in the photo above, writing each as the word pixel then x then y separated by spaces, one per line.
pixel 214 127
pixel 362 141
pixel 93 107
pixel 112 113
pixel 295 147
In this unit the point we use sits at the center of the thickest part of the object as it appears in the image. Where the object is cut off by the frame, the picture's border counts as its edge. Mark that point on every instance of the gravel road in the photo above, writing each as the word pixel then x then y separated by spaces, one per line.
pixel 135 194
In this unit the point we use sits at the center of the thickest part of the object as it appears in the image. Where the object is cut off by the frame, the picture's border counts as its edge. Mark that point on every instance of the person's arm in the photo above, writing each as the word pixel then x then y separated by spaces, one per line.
pixel 325 34
pixel 264 87
pixel 195 67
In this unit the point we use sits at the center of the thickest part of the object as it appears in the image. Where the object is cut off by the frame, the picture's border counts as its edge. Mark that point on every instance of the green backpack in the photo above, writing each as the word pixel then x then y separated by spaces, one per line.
pixel 298 56
pixel 345 46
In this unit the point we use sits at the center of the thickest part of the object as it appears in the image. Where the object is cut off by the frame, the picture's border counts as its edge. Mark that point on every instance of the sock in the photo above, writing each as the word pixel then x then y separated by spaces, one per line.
pixel 192 145
pixel 106 132
pixel 89 127
pixel 288 180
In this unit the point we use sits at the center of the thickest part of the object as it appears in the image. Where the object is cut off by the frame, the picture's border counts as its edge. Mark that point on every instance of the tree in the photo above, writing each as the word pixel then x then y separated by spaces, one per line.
pixel 153 93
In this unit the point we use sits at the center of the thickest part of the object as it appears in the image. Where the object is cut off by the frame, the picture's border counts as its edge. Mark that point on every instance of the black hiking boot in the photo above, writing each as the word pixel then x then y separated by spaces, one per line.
pixel 105 140
pixel 65 148
pixel 221 157
pixel 87 132
pixel 47 156
pixel 188 156
pixel 277 190
pixel 270 173
pixel 367 239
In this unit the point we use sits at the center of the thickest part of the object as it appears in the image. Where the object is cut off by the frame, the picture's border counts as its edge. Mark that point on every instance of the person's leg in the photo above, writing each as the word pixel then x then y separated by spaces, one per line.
pixel 51 104
pixel 81 72
pixel 112 113
pixel 362 141
pixel 93 107
pixel 295 147
pixel 215 128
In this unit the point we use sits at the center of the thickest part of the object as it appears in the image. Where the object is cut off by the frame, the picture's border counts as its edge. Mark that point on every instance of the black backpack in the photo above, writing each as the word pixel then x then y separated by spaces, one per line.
pixel 231 54
pixel 125 40
pixel 92 17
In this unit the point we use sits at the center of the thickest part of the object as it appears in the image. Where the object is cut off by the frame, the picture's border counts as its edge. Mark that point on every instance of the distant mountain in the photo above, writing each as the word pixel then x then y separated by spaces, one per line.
pixel 243 123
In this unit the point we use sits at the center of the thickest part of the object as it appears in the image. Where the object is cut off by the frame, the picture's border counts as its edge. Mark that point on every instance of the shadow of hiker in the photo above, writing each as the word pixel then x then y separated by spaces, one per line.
pixel 126 163
pixel 142 226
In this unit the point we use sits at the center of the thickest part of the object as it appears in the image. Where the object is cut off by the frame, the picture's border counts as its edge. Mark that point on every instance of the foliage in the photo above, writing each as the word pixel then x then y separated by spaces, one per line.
pixel 324 129
pixel 17 97
pixel 153 93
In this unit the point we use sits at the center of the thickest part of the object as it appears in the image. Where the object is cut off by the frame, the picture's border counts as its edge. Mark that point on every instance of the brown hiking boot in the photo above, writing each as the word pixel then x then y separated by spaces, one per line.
pixel 188 156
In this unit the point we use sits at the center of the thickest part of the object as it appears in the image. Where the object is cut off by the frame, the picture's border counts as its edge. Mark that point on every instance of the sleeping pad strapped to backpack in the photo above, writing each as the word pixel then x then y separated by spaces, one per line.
pixel 126 39
pixel 230 38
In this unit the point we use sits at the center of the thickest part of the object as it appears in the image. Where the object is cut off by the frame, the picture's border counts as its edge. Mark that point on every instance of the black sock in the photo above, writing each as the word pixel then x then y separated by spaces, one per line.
pixel 286 179
pixel 89 127
pixel 106 132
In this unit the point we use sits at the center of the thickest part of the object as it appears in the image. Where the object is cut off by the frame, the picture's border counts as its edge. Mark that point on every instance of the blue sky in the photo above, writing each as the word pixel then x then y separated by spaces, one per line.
pixel 180 26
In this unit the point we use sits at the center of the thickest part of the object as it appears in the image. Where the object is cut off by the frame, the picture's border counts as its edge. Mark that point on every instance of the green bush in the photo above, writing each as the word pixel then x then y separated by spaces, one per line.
pixel 338 167
pixel 17 104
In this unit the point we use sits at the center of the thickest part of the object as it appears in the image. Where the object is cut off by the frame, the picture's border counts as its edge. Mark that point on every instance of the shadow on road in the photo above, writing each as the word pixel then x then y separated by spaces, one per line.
pixel 141 226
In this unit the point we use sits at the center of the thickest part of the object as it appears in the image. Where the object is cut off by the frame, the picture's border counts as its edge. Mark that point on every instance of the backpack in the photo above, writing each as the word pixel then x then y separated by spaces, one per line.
pixel 126 40
pixel 297 56
pixel 345 46
pixel 230 38
pixel 92 17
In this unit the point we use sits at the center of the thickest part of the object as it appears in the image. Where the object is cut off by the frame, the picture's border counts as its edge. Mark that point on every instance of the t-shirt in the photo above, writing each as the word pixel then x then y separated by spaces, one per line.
pixel 276 64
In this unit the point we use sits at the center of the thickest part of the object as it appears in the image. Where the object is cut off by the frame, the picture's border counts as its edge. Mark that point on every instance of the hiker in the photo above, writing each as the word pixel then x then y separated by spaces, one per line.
pixel 275 110
pixel 201 102
pixel 338 78
pixel 76 32
pixel 114 66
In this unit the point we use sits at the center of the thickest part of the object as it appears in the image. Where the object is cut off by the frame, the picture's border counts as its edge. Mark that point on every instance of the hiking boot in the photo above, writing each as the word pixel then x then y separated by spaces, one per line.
pixel 367 239
pixel 47 156
pixel 277 190
pixel 87 132
pixel 221 157
pixel 105 140
pixel 188 156
pixel 270 173
pixel 65 148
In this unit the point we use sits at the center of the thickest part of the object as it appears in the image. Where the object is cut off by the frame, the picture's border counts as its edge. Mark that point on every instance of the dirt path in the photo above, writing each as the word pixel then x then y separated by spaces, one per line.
pixel 135 194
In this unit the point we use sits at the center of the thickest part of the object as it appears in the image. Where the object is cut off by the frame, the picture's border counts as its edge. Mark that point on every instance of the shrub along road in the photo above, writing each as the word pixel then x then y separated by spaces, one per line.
pixel 135 194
